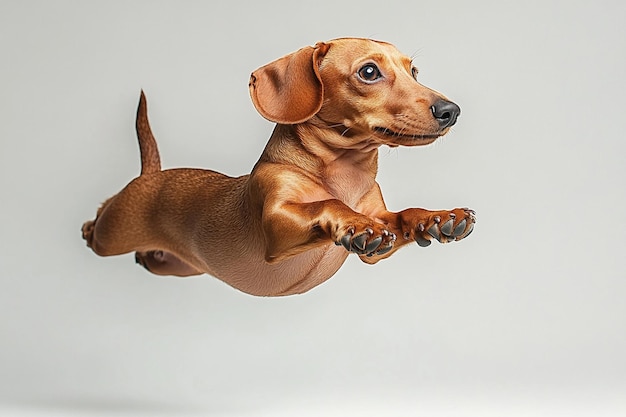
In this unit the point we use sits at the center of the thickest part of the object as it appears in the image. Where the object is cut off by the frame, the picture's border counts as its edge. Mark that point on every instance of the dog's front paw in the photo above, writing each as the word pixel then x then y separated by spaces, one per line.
pixel 445 226
pixel 369 241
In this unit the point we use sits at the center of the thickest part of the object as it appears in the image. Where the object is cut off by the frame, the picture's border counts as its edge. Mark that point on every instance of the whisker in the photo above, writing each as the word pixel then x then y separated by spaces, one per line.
pixel 416 54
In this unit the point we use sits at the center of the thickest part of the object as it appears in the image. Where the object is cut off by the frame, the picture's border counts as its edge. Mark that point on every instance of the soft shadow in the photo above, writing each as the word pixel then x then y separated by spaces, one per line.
pixel 110 406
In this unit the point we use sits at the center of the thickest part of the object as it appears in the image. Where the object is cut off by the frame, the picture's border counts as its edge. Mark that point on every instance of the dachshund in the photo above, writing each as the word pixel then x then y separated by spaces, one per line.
pixel 311 199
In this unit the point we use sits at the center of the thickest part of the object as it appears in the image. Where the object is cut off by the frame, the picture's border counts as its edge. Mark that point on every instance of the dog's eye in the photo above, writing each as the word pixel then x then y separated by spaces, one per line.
pixel 369 73
pixel 414 71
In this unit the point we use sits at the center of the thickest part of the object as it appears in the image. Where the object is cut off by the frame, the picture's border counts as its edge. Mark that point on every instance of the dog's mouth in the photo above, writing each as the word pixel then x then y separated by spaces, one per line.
pixel 406 138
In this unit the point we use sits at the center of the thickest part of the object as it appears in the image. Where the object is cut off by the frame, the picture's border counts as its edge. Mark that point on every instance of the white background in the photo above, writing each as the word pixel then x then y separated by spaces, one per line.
pixel 526 317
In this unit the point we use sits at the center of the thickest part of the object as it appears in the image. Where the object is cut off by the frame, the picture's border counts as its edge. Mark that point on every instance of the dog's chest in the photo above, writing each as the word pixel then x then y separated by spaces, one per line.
pixel 347 182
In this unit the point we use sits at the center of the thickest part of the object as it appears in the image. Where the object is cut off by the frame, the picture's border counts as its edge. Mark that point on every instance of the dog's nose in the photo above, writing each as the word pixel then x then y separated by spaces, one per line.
pixel 446 112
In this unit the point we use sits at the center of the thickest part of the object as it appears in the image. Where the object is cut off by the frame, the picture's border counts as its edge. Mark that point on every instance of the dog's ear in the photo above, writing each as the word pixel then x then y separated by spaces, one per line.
pixel 289 90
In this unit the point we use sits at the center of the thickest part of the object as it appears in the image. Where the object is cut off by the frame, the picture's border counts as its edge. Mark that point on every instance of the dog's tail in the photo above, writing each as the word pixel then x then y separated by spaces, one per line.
pixel 150 159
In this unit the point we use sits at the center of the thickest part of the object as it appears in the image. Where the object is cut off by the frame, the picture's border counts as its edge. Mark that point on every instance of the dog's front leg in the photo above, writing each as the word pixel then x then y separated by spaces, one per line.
pixel 291 228
pixel 417 224
pixel 424 225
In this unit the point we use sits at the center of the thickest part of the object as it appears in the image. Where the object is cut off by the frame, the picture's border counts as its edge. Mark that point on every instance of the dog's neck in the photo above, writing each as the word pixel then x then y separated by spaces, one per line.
pixel 314 148
pixel 346 173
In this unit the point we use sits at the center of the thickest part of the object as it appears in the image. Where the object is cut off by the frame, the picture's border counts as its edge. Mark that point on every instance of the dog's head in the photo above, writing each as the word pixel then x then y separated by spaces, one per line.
pixel 366 90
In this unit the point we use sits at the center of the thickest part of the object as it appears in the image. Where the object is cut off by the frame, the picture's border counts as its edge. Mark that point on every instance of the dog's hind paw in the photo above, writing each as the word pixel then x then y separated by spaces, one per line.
pixel 87 231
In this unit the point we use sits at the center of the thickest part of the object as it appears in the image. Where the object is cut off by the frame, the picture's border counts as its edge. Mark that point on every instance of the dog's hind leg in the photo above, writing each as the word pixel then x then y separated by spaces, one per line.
pixel 164 263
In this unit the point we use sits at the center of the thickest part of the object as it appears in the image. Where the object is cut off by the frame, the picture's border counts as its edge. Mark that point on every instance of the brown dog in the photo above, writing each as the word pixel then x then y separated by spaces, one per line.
pixel 311 199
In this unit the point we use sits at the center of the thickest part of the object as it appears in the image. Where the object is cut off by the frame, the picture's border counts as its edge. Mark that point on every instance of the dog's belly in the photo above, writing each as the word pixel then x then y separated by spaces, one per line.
pixel 295 275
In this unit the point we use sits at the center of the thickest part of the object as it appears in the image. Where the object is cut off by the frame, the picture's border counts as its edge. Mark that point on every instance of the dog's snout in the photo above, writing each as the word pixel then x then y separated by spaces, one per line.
pixel 446 112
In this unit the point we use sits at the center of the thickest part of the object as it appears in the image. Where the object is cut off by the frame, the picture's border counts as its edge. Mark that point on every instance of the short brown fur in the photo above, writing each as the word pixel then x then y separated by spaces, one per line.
pixel 311 199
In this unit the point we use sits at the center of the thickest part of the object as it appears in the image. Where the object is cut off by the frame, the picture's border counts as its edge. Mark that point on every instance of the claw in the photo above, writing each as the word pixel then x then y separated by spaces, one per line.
pixel 446 228
pixel 460 228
